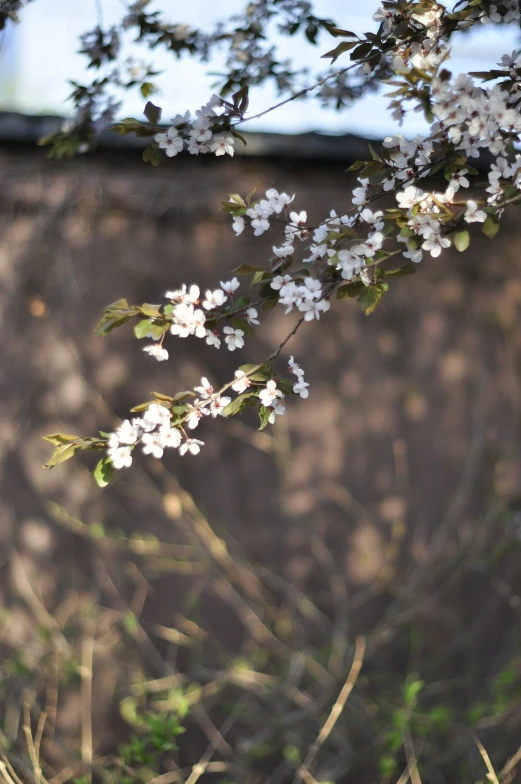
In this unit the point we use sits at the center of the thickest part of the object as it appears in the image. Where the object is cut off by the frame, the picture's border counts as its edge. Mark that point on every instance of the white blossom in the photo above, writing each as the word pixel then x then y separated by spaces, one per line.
pixel 242 383
pixel 223 145
pixel 153 444
pixel 188 321
pixel 301 388
pixel 193 417
pixel 120 456
pixel 230 286
pixel 156 351
pixel 127 433
pixel 170 141
pixel 233 338
pixel 212 339
pixel 294 368
pixel 278 201
pixel 285 250
pixel 278 409
pixel 409 197
pixel 205 390
pixel 435 244
pixel 155 415
pixel 251 316
pixel 214 299
pixel 238 224
pixel 218 405
pixel 473 214
pixel 191 445
pixel 270 393
pixel 170 437
pixel 184 296
pixel 279 281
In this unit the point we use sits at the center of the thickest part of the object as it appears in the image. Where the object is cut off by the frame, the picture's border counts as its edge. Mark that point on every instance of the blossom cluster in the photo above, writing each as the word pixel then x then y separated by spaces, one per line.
pixel 164 425
pixel 345 253
pixel 198 134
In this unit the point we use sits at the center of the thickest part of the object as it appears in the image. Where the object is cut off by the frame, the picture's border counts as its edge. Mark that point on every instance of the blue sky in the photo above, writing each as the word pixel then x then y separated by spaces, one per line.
pixel 38 56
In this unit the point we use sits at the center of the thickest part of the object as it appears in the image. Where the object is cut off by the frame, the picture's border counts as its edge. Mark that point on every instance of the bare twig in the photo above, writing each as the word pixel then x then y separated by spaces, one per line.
pixel 305 769
pixel 87 655
pixel 491 772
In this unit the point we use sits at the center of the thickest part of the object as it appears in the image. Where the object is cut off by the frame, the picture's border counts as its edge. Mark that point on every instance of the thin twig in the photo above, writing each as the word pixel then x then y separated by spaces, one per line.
pixel 491 772
pixel 87 655
pixel 305 769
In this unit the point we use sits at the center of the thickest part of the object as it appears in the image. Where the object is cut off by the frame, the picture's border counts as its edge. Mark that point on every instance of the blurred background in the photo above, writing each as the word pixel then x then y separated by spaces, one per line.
pixel 228 590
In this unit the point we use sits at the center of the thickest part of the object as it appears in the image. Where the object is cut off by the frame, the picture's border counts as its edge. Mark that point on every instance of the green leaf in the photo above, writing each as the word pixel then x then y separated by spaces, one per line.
pixel 152 113
pixel 259 277
pixel 149 310
pixel 179 396
pixel 285 385
pixel 337 32
pixel 147 88
pixel 370 298
pixel 461 240
pixel 241 323
pixel 491 227
pixel 350 291
pixel 103 471
pixel 247 269
pixel 141 407
pixel 241 302
pixel 237 405
pixel 335 53
pixel 361 51
pixel 262 374
pixel 57 439
pixel 106 325
pixel 143 328
pixel 411 691
pixel 269 304
pixel 407 269
pixel 62 453
pixel 264 415
pixel 357 165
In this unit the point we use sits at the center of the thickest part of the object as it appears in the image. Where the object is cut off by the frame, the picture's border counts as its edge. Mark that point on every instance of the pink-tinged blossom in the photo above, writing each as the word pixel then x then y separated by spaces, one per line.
pixel 194 415
pixel 205 390
pixel 213 339
pixel 170 142
pixel 435 244
pixel 294 368
pixel 223 145
pixel 473 214
pixel 242 383
pixel 230 286
pixel 279 281
pixel 218 405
